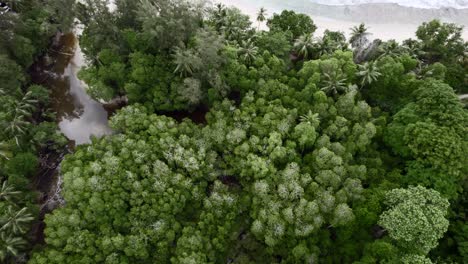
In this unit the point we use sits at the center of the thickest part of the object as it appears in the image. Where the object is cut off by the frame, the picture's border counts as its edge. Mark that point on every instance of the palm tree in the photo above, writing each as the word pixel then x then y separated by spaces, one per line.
pixel 413 48
pixel 10 245
pixel 233 28
pixel 334 82
pixel 4 8
pixel 219 16
pixel 304 45
pixel 187 62
pixel 15 5
pixel 368 72
pixel 359 36
pixel 7 192
pixel 391 48
pixel 5 150
pixel 248 51
pixel 17 127
pixel 261 16
pixel 311 118
pixel 15 221
pixel 23 110
pixel 27 105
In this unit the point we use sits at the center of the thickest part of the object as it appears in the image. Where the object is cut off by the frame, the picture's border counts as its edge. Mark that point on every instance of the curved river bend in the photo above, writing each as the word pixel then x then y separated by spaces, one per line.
pixel 79 116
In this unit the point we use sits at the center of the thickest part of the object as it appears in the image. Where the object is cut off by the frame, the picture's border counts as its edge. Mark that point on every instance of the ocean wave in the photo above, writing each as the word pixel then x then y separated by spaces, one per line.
pixel 458 4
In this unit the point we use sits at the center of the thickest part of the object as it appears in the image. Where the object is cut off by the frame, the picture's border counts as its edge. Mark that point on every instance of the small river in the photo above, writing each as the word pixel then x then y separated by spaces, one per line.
pixel 79 116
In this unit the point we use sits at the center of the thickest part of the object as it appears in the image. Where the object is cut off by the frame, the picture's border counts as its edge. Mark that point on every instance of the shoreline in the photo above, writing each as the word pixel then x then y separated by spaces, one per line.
pixel 342 18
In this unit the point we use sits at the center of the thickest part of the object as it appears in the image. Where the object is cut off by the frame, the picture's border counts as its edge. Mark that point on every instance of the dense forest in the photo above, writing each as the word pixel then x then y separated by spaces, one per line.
pixel 292 147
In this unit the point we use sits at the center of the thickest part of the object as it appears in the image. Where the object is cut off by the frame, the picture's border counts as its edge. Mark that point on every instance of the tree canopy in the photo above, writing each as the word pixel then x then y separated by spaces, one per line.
pixel 238 145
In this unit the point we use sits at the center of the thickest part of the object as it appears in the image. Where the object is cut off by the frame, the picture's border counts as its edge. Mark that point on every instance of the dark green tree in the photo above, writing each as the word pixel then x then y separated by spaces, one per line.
pixel 289 21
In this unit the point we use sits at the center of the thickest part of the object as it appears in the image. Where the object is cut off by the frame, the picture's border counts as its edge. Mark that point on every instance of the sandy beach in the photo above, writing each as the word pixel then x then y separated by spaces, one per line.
pixel 342 18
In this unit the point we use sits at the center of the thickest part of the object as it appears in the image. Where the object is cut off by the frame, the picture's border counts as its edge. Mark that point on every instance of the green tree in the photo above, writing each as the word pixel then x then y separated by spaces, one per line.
pixel 334 82
pixel 297 24
pixel 236 26
pixel 276 43
pixel 440 41
pixel 5 150
pixel 7 192
pixel 368 73
pixel 305 46
pixel 11 75
pixel 430 135
pixel 261 16
pixel 218 16
pixel 187 62
pixel 10 245
pixel 169 23
pixel 415 218
pixel 248 51
pixel 15 221
pixel 333 41
pixel 359 36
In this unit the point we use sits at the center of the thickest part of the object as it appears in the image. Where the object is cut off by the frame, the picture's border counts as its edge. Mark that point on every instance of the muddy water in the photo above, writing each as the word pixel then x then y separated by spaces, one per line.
pixel 79 116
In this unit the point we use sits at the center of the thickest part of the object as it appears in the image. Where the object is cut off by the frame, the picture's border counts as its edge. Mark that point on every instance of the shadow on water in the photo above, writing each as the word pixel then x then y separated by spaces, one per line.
pixel 48 71
pixel 78 116
pixel 197 115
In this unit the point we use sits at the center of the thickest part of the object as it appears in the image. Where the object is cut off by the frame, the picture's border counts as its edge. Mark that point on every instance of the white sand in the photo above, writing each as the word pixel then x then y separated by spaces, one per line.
pixel 384 31
pixel 411 3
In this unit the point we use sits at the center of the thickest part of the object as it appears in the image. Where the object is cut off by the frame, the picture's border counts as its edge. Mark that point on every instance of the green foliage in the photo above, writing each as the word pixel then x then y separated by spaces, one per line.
pixel 177 72
pixel 393 87
pixel 262 170
pixel 442 42
pixel 369 73
pixel 157 19
pixel 230 23
pixel 359 36
pixel 300 167
pixel 15 222
pixel 305 45
pixel 430 134
pixel 167 178
pixel 276 43
pixel 11 75
pixel 25 34
pixel 415 219
pixel 333 41
pixel 22 164
pixel 416 259
pixel 289 21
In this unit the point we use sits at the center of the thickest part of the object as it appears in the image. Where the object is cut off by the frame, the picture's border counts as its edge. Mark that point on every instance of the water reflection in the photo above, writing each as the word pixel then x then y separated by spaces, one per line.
pixel 91 116
pixel 78 115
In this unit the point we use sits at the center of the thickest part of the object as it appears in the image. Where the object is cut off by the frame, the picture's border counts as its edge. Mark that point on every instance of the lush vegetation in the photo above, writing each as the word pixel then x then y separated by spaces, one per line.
pixel 314 149
pixel 27 127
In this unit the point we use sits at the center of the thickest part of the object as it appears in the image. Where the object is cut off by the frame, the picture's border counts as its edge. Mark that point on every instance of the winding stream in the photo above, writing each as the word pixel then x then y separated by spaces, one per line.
pixel 78 116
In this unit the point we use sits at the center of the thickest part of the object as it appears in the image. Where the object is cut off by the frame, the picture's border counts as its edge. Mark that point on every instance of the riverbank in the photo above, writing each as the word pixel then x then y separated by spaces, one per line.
pixel 77 115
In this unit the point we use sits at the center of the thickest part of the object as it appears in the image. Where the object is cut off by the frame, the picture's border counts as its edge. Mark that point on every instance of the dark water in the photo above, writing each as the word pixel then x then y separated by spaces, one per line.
pixel 78 115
